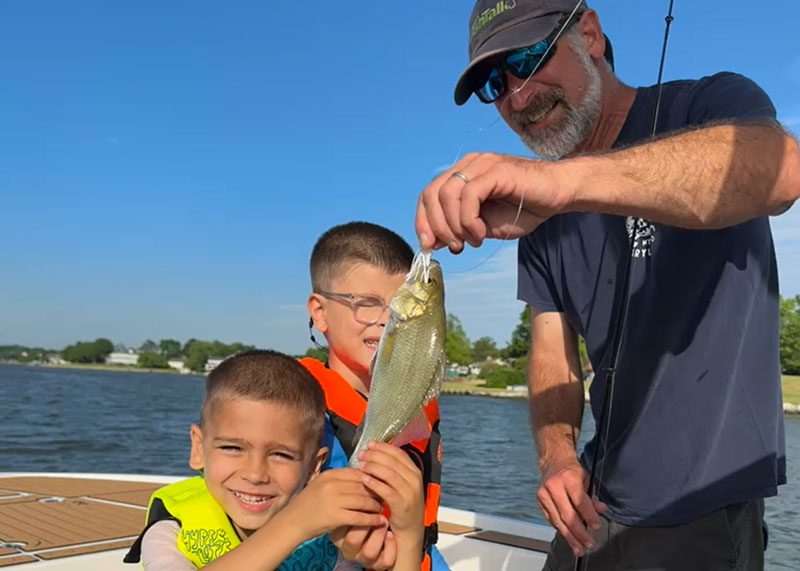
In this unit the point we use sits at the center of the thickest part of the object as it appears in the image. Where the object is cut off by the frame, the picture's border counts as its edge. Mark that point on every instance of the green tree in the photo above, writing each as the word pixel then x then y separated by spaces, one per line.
pixel 152 360
pixel 457 347
pixel 169 348
pixel 790 335
pixel 500 377
pixel 148 345
pixel 520 342
pixel 317 353
pixel 484 348
pixel 88 351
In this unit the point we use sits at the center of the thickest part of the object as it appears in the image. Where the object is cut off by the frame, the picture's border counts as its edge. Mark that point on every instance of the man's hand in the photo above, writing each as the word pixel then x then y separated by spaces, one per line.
pixel 451 211
pixel 334 499
pixel 564 502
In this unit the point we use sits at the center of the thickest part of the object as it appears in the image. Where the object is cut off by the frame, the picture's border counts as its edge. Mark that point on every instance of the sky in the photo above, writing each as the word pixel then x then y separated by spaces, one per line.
pixel 166 166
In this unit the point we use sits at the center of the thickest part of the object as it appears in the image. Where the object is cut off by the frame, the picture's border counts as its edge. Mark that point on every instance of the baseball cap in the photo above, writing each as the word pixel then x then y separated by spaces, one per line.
pixel 498 26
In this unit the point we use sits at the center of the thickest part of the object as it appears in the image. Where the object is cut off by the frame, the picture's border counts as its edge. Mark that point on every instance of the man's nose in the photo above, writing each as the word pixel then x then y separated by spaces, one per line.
pixel 520 92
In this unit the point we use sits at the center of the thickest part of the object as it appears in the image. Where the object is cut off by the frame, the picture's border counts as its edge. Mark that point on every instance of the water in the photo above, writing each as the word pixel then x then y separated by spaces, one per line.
pixel 117 422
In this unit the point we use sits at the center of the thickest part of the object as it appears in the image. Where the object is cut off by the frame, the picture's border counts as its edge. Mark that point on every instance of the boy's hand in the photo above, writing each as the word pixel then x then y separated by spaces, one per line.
pixel 390 473
pixel 334 499
pixel 371 547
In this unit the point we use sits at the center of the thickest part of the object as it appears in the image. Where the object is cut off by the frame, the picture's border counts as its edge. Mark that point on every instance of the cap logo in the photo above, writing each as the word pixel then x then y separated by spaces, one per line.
pixel 490 14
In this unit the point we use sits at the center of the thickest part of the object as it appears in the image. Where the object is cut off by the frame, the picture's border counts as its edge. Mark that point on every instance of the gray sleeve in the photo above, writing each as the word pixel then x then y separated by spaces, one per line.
pixel 160 548
pixel 535 283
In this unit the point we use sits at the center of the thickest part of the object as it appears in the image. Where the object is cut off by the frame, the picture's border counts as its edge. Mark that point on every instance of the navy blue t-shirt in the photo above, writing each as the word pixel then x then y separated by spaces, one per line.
pixel 697 418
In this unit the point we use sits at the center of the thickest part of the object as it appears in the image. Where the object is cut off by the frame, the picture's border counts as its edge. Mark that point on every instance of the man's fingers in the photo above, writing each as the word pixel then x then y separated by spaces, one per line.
pixel 585 507
pixel 570 518
pixel 427 239
pixel 552 514
pixel 434 215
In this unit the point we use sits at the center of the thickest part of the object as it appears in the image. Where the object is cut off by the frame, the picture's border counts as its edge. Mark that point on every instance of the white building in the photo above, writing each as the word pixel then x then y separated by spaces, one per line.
pixel 212 363
pixel 178 364
pixel 128 358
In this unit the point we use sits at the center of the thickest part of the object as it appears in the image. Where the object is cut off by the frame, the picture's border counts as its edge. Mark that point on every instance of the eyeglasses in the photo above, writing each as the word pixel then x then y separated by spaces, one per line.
pixel 367 309
pixel 522 63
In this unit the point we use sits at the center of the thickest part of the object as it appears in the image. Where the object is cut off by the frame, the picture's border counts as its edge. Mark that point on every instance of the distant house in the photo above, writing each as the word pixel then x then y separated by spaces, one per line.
pixel 178 364
pixel 118 358
pixel 475 369
pixel 212 363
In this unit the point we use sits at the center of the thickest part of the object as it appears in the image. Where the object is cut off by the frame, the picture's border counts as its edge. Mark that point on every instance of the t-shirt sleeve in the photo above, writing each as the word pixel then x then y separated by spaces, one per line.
pixel 160 548
pixel 535 284
pixel 729 95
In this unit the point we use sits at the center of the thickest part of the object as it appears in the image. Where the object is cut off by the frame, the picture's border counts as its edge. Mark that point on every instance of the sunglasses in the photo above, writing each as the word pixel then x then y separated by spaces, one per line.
pixel 522 63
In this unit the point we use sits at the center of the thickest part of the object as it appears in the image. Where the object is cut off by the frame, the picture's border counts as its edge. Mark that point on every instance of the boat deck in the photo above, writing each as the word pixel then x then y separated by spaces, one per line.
pixel 46 518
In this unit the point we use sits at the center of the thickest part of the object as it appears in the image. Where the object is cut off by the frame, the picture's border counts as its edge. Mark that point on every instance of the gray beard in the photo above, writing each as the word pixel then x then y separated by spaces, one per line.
pixel 564 134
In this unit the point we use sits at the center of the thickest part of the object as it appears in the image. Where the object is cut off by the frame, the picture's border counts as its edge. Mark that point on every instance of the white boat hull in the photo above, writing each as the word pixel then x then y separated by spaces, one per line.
pixel 468 541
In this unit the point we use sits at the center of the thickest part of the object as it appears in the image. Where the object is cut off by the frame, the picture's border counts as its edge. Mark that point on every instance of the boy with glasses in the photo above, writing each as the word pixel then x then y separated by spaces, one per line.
pixel 355 270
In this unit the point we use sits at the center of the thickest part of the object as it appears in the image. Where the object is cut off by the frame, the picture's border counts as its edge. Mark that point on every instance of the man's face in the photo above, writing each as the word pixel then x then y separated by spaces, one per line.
pixel 255 458
pixel 554 111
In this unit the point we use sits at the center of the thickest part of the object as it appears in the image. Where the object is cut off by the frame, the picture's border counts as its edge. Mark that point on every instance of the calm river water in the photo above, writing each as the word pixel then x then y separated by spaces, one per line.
pixel 97 421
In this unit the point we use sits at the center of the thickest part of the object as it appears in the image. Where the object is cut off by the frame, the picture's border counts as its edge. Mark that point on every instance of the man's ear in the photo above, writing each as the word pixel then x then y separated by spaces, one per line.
pixel 196 461
pixel 592 34
pixel 316 466
pixel 316 310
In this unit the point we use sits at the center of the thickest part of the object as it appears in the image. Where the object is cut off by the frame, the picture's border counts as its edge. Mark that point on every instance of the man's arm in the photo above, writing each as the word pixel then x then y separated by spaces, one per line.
pixel 705 178
pixel 556 403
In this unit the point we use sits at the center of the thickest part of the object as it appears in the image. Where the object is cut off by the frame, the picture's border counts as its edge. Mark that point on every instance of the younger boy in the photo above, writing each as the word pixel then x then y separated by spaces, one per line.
pixel 356 268
pixel 258 445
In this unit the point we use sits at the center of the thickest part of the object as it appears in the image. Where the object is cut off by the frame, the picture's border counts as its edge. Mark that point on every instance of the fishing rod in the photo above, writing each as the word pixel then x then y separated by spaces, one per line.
pixel 582 563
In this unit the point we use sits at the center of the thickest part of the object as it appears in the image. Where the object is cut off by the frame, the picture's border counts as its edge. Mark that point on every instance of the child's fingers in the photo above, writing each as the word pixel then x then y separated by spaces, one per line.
pixel 373 544
pixel 385 490
pixel 388 464
pixel 357 518
pixel 389 555
pixel 394 459
pixel 359 502
pixel 397 453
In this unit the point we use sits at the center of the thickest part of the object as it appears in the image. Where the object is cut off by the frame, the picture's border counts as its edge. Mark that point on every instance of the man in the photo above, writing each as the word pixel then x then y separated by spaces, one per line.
pixel 695 440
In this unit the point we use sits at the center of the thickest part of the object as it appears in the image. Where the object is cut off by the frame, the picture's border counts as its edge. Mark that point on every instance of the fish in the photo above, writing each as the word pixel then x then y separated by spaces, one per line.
pixel 409 363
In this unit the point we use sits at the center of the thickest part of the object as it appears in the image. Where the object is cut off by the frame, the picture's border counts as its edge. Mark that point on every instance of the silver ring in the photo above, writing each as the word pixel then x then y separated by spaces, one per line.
pixel 461 175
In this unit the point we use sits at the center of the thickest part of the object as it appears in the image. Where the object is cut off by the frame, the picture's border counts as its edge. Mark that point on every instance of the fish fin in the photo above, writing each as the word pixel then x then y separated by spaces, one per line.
pixel 417 429
pixel 436 387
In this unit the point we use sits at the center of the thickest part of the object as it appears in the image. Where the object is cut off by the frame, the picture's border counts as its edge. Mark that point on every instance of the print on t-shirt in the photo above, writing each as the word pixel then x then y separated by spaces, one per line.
pixel 645 236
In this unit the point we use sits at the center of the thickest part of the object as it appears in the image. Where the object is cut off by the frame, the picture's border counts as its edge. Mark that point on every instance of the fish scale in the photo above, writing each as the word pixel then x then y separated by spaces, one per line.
pixel 409 363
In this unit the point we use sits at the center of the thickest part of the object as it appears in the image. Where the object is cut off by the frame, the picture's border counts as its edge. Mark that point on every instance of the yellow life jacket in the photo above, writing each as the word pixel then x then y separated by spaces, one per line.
pixel 206 532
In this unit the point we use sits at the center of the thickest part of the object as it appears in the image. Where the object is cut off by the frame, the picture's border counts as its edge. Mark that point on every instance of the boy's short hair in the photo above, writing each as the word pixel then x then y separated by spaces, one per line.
pixel 354 242
pixel 268 375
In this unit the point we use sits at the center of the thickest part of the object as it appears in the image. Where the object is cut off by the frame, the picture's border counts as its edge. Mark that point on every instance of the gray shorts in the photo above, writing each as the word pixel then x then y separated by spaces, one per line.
pixel 733 538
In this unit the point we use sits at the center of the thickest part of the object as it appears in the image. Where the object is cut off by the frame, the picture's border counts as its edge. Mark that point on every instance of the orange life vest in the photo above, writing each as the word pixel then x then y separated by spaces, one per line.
pixel 346 408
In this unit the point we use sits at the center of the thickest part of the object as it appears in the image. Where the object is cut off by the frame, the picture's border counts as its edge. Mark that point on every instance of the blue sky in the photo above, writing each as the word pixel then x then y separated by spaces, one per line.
pixel 165 167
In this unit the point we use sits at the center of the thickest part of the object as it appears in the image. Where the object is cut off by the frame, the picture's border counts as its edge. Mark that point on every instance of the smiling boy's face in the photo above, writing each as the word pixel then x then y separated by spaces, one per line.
pixel 255 457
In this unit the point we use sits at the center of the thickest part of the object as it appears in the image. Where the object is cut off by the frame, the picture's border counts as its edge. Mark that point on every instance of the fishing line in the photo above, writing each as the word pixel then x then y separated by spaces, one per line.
pixel 582 563
pixel 506 99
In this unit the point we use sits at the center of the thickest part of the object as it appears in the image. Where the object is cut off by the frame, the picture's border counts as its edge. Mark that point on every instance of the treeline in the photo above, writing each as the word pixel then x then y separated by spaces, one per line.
pixel 194 353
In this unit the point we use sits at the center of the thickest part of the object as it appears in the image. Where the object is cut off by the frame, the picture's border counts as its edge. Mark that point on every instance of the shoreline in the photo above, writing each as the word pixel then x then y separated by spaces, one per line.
pixel 467 387
pixel 479 391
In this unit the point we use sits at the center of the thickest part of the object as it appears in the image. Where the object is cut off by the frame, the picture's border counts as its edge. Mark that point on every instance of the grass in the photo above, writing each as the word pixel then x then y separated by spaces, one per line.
pixel 467 386
pixel 791 389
